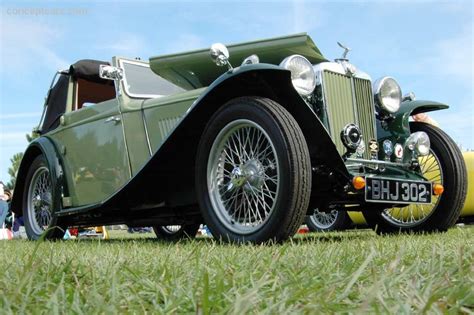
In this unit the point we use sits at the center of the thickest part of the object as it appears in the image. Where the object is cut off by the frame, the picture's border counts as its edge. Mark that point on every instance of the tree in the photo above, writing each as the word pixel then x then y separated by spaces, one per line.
pixel 16 161
pixel 13 169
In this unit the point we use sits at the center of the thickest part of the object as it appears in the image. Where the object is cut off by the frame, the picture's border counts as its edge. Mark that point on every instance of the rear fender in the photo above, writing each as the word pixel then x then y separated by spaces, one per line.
pixel 41 146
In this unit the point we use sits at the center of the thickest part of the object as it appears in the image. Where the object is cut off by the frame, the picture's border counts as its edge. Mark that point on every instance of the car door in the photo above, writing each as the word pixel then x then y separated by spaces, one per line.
pixel 91 140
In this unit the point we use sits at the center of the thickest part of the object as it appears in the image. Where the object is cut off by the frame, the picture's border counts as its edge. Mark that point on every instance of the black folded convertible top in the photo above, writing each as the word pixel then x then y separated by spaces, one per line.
pixel 87 69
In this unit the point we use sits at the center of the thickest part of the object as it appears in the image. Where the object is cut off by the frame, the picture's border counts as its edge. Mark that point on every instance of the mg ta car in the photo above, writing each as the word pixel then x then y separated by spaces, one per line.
pixel 248 139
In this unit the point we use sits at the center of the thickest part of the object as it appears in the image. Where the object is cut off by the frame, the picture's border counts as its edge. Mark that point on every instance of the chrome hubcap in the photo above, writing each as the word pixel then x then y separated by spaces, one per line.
pixel 243 176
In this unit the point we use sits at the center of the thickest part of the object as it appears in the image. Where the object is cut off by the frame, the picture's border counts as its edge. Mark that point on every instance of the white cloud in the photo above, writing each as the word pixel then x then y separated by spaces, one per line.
pixel 126 45
pixel 20 115
pixel 450 57
pixel 306 17
pixel 25 43
pixel 185 42
pixel 12 137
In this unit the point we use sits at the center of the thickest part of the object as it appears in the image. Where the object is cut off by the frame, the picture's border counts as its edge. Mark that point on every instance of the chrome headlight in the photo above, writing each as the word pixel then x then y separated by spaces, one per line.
pixel 302 73
pixel 420 142
pixel 388 94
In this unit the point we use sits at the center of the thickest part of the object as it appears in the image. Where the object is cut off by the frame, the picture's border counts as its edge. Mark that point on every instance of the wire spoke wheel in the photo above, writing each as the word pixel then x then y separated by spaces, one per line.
pixel 415 214
pixel 39 202
pixel 253 172
pixel 243 176
pixel 324 220
pixel 171 229
pixel 176 232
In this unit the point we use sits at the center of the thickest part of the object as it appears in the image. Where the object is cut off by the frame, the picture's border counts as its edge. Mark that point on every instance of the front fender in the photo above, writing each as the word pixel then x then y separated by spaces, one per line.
pixel 273 82
pixel 41 146
pixel 398 129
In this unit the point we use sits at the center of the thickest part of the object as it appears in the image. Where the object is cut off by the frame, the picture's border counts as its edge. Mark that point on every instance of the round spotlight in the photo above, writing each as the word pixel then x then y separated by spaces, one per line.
pixel 419 142
pixel 351 137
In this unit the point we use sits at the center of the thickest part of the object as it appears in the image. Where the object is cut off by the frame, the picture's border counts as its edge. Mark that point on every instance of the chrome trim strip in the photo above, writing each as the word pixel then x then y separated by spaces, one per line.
pixel 354 102
pixel 146 131
pixel 119 104
pixel 338 68
pixel 378 162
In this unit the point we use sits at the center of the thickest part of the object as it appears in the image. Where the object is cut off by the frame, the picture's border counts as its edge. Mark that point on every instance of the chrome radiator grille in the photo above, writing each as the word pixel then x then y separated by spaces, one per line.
pixel 349 100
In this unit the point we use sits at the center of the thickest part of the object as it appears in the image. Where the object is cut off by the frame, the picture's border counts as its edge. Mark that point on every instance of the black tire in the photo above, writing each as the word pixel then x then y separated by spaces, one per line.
pixel 333 221
pixel 34 229
pixel 176 232
pixel 453 177
pixel 292 165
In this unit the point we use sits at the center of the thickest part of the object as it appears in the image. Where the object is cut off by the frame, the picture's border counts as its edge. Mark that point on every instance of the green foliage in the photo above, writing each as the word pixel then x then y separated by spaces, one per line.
pixel 351 272
pixel 32 136
pixel 13 169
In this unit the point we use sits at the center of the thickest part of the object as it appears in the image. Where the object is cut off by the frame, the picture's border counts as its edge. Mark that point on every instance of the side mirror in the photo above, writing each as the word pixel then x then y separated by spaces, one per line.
pixel 220 55
pixel 110 73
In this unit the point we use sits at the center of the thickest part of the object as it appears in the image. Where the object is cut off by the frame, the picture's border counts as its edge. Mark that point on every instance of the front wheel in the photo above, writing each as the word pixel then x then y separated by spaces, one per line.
pixel 253 172
pixel 176 232
pixel 444 165
pixel 38 209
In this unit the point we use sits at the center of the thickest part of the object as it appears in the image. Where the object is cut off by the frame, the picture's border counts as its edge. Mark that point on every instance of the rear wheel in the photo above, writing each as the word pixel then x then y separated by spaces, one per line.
pixel 444 165
pixel 175 232
pixel 253 172
pixel 328 221
pixel 38 209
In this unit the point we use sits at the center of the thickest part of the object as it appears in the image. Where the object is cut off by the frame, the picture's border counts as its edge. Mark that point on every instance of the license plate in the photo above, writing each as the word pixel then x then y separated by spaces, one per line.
pixel 397 191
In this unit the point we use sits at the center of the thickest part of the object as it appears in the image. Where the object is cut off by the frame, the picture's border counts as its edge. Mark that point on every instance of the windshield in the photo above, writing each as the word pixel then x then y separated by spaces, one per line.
pixel 140 81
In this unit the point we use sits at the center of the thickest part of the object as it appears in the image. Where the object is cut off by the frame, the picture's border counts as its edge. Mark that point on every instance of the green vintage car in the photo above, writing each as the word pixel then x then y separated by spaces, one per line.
pixel 247 139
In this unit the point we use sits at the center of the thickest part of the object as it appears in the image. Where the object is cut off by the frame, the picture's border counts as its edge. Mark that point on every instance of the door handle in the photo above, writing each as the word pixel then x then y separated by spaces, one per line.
pixel 114 119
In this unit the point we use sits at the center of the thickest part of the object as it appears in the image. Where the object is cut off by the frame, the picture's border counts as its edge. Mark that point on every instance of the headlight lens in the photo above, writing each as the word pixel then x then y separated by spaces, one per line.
pixel 302 73
pixel 388 94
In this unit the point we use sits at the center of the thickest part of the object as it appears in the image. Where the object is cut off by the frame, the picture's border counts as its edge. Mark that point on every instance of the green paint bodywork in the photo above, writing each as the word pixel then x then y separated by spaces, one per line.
pixel 163 114
pixel 195 69
pixel 397 129
pixel 94 152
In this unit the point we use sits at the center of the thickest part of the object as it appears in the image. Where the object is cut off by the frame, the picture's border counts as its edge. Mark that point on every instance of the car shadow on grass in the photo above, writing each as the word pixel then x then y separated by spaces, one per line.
pixel 323 237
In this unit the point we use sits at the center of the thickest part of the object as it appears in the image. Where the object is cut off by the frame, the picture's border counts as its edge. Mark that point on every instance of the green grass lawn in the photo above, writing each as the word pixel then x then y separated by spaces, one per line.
pixel 353 271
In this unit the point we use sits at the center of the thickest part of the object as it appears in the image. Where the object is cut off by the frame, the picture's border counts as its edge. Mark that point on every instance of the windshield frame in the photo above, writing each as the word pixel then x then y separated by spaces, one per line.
pixel 125 83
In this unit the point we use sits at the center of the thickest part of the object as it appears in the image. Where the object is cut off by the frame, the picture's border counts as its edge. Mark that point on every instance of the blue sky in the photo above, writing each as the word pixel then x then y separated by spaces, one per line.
pixel 426 45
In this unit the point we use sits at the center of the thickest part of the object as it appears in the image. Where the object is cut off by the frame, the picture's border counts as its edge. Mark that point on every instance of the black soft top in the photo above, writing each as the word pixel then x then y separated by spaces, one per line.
pixel 85 69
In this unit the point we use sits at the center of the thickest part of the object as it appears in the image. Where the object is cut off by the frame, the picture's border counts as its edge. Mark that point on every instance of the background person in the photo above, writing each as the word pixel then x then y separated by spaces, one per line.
pixel 5 196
